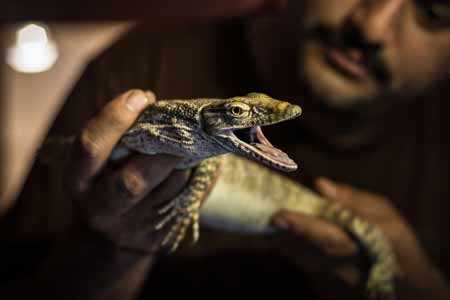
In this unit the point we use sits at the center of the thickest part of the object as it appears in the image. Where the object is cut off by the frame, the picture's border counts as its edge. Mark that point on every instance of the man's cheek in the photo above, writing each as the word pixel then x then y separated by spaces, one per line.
pixel 423 56
pixel 423 70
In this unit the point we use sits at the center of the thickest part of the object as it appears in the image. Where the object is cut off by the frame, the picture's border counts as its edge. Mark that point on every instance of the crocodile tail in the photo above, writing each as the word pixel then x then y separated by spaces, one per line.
pixel 380 282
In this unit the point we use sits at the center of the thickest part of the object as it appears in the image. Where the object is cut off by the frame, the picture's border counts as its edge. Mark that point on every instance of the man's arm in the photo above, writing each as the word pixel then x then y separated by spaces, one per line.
pixel 112 244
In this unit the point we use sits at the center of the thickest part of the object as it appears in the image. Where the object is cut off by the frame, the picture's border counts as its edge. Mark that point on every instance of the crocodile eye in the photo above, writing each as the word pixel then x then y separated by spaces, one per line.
pixel 237 111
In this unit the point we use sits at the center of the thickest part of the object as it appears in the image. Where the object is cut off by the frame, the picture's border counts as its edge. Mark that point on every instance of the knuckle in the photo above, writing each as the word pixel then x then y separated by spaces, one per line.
pixel 90 142
pixel 131 184
pixel 116 118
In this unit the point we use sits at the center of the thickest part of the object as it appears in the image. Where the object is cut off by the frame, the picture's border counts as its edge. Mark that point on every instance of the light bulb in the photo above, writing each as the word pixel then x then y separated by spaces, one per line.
pixel 33 51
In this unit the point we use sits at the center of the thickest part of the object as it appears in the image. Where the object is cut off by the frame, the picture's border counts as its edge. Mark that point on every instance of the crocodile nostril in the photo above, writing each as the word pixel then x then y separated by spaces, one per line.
pixel 293 110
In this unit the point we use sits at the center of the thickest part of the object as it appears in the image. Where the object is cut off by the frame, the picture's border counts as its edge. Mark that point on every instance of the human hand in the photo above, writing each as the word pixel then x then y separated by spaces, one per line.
pixel 335 263
pixel 120 203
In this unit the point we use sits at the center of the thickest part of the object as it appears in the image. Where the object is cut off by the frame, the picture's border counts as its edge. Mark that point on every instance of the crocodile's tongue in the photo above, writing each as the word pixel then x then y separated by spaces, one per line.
pixel 265 146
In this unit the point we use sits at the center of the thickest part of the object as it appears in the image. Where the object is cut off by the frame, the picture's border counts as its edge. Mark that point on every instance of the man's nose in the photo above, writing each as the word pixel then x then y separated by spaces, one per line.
pixel 377 19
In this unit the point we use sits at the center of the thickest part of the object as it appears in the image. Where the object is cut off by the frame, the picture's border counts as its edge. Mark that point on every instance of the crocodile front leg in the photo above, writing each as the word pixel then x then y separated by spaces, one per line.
pixel 184 209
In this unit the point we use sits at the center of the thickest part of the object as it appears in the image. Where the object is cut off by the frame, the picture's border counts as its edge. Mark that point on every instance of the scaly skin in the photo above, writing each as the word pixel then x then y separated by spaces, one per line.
pixel 200 131
pixel 258 193
pixel 197 129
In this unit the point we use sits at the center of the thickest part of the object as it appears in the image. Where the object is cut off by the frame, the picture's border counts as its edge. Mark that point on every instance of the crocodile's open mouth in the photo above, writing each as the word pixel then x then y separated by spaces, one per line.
pixel 255 145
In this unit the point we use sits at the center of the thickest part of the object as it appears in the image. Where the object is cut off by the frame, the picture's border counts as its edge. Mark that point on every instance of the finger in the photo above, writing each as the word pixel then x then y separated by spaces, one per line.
pixel 327 237
pixel 147 209
pixel 327 188
pixel 356 200
pixel 344 194
pixel 96 141
pixel 119 191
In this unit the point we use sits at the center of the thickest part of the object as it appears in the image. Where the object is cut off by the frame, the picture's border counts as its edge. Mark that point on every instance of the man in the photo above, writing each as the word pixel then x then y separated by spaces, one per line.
pixel 366 74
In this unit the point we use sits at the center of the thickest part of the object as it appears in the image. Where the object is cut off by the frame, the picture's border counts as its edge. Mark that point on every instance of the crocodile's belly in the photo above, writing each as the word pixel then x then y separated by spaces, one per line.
pixel 247 195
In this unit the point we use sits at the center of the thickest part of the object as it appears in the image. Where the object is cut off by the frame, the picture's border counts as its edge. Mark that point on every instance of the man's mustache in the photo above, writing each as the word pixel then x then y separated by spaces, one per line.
pixel 350 37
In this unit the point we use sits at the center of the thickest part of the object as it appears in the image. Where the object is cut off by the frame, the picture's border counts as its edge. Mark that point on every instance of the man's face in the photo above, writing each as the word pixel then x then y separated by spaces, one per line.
pixel 358 51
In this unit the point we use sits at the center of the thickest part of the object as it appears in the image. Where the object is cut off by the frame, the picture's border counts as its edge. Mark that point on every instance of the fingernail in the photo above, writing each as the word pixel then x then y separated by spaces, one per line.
pixel 327 187
pixel 281 223
pixel 150 96
pixel 137 101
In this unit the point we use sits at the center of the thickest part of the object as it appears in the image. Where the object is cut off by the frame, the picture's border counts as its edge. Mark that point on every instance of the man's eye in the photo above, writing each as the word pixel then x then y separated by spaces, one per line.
pixel 431 14
pixel 435 13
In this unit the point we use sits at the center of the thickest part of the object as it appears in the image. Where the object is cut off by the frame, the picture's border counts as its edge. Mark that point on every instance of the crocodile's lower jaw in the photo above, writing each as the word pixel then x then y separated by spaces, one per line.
pixel 252 143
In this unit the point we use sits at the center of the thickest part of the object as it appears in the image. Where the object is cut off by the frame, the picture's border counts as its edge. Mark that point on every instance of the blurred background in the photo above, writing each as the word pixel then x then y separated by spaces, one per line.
pixel 40 62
